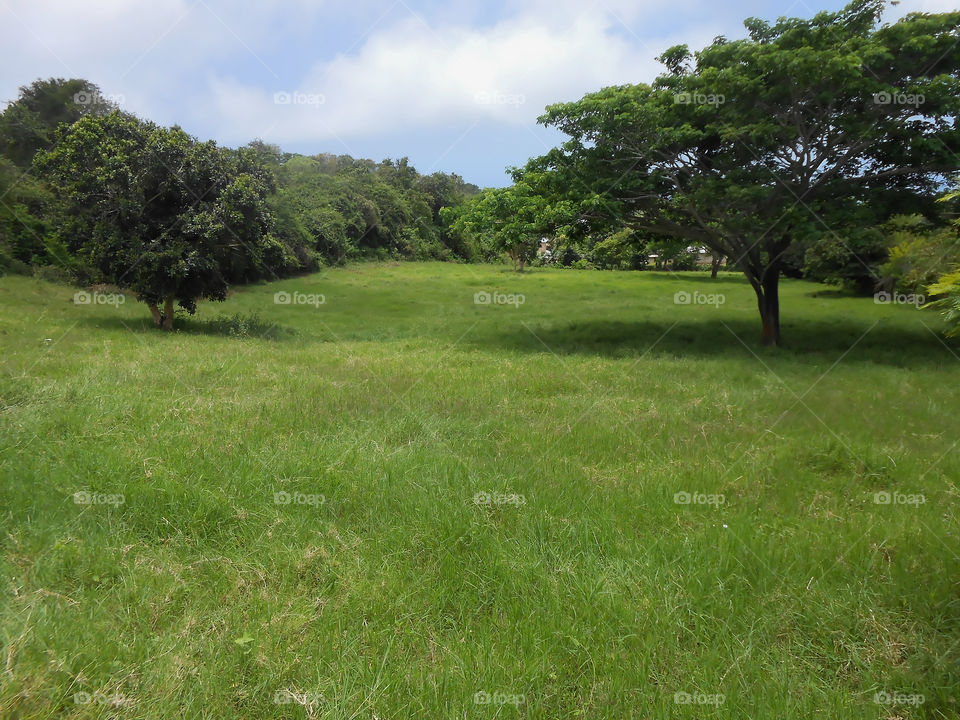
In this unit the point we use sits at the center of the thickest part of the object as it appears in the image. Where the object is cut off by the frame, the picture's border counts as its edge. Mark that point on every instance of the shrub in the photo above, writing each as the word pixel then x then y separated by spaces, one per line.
pixel 851 259
pixel 620 251
pixel 54 274
pixel 920 253
pixel 948 287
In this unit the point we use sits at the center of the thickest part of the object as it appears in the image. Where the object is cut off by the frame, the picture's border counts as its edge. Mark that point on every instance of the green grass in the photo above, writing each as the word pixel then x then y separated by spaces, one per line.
pixel 389 592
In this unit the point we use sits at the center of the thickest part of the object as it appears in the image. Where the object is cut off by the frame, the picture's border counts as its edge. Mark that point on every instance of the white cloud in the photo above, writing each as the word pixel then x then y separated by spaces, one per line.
pixel 150 52
pixel 409 75
pixel 929 6
pixel 215 68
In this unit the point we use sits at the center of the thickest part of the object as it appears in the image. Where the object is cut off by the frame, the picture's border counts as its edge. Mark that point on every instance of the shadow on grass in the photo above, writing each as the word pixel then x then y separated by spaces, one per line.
pixel 697 277
pixel 890 342
pixel 238 326
pixel 885 344
pixel 833 293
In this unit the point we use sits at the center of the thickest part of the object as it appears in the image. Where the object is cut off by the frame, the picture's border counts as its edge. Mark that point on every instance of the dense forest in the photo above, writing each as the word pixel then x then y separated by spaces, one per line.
pixel 320 210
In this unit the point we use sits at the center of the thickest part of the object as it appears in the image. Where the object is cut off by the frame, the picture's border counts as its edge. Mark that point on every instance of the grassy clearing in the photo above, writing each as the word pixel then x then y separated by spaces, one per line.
pixel 385 590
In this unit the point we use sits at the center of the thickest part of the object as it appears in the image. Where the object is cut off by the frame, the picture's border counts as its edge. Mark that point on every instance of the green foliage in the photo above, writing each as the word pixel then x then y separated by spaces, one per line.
pixel 947 287
pixel 325 209
pixel 29 211
pixel 850 258
pixel 156 212
pixel 920 253
pixel 582 264
pixel 510 221
pixel 670 252
pixel 25 208
pixel 462 243
pixel 30 122
pixel 621 250
pixel 948 290
pixel 346 209
pixel 766 141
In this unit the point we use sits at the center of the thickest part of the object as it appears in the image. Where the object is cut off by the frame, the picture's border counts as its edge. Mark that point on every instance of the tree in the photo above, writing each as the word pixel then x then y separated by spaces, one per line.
pixel 30 122
pixel 508 220
pixel 357 208
pixel 160 214
pixel 716 260
pixel 620 251
pixel 755 147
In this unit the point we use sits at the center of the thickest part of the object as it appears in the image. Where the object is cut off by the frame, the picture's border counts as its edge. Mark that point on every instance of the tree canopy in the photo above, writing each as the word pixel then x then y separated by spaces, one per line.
pixel 345 208
pixel 110 197
pixel 156 212
pixel 755 146
pixel 30 122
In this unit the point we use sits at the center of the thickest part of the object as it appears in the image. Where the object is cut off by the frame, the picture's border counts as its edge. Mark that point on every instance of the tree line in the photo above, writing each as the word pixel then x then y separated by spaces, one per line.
pixel 91 193
pixel 823 148
pixel 811 148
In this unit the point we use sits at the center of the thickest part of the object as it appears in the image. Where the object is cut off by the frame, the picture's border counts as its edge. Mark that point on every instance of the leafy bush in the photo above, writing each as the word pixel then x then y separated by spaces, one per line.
pixel 620 251
pixel 53 274
pixel 12 266
pixel 851 259
pixel 948 287
pixel 685 261
pixel 920 253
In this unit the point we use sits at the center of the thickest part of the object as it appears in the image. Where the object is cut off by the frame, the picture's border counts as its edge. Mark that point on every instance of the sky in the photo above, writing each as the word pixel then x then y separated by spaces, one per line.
pixel 454 86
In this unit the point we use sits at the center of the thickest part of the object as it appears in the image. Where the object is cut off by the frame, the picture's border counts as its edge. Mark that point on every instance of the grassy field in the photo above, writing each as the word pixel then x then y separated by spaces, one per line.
pixel 400 503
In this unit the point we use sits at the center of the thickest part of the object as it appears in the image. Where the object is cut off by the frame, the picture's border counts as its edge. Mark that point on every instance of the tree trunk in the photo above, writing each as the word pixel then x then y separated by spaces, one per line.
pixel 768 301
pixel 715 266
pixel 168 314
pixel 157 317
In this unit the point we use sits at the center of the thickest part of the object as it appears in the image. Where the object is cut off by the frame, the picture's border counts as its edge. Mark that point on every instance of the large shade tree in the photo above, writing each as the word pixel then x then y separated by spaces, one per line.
pixel 755 146
pixel 156 212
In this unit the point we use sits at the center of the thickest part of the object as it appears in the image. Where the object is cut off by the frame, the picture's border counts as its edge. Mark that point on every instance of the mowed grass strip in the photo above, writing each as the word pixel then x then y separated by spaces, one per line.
pixel 394 501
